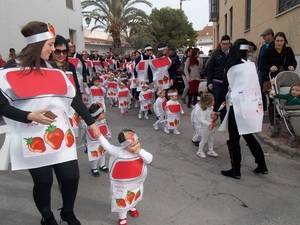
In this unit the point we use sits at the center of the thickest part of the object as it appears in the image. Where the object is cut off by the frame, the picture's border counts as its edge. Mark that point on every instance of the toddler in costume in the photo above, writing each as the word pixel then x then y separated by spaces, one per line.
pixel 95 151
pixel 97 92
pixel 128 171
pixel 160 108
pixel 112 90
pixel 173 111
pixel 292 98
pixel 145 98
pixel 203 125
pixel 123 98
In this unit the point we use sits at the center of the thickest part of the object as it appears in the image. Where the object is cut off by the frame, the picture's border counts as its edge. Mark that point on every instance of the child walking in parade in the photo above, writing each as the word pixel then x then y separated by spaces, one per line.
pixel 145 98
pixel 123 98
pixel 97 92
pixel 96 153
pixel 173 111
pixel 112 90
pixel 128 171
pixel 159 108
pixel 203 125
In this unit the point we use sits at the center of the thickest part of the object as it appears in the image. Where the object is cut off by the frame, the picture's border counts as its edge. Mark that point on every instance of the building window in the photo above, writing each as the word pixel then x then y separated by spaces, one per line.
pixel 226 23
pixel 231 21
pixel 284 5
pixel 72 35
pixel 248 15
pixel 69 4
pixel 213 10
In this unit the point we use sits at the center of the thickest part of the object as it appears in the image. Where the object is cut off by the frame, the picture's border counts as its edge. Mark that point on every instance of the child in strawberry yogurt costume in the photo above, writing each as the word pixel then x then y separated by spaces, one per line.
pixel 173 111
pixel 123 98
pixel 128 171
pixel 146 99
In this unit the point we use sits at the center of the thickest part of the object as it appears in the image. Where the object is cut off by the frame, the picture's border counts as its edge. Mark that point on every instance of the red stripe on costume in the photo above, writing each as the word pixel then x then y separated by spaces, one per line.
pixel 148 96
pixel 89 64
pixel 164 104
pixel 97 63
pixel 161 62
pixel 128 169
pixel 34 83
pixel 97 92
pixel 112 85
pixel 123 93
pixel 71 78
pixel 73 61
pixel 103 129
pixel 141 65
pixel 174 108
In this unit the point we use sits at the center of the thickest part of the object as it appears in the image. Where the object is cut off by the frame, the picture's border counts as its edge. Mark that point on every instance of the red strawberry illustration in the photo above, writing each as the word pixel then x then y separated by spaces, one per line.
pixel 54 137
pixel 130 197
pixel 92 134
pixel 95 154
pixel 71 122
pixel 69 138
pixel 36 144
pixel 121 203
pixel 137 195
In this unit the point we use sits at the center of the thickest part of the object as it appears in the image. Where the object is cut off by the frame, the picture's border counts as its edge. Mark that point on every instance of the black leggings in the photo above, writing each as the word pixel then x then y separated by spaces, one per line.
pixel 235 148
pixel 67 174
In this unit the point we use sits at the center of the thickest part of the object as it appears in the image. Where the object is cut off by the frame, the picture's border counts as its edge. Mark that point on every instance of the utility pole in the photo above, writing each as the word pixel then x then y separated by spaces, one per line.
pixel 181 3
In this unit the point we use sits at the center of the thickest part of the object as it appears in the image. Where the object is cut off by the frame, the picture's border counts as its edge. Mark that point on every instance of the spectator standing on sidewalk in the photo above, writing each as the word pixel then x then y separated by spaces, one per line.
pixel 188 53
pixel 216 66
pixel 268 37
pixel 277 58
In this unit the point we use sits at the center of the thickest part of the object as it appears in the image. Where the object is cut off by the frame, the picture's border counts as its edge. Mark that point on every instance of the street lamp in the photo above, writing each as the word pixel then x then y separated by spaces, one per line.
pixel 181 3
pixel 87 21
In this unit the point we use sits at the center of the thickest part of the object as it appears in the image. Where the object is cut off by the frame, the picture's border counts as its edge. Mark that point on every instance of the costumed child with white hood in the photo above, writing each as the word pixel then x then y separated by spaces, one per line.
pixel 96 153
pixel 146 99
pixel 123 98
pixel 112 90
pixel 159 108
pixel 98 92
pixel 128 171
pixel 203 125
pixel 173 111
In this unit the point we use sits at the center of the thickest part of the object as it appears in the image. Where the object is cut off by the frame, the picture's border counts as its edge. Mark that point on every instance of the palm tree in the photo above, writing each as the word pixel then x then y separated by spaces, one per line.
pixel 114 16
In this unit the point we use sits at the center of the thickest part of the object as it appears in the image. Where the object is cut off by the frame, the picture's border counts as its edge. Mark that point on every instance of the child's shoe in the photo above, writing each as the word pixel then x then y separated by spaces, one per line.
pixel 122 222
pixel 134 213
pixel 212 153
pixel 103 169
pixel 155 126
pixel 166 130
pixel 140 116
pixel 95 172
pixel 176 131
pixel 201 154
pixel 146 117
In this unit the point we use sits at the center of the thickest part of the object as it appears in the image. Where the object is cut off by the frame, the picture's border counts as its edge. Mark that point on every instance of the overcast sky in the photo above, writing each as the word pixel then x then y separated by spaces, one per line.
pixel 196 10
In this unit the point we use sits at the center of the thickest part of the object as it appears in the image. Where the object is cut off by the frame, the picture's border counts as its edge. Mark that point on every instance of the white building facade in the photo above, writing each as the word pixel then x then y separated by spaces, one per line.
pixel 64 15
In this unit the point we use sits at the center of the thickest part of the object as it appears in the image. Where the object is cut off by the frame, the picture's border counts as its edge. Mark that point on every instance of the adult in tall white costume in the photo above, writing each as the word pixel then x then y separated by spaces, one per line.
pixel 244 109
pixel 35 100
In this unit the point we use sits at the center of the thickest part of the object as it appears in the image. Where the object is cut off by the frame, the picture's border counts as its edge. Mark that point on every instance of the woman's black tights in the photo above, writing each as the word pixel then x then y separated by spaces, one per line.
pixel 67 174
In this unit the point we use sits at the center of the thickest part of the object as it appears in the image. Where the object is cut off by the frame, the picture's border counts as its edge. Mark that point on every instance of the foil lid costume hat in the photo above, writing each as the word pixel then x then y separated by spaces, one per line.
pixel 41 36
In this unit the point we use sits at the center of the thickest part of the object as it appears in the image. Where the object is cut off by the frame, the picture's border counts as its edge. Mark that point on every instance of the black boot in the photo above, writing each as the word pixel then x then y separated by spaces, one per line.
pixel 189 101
pixel 235 171
pixel 69 217
pixel 49 220
pixel 261 170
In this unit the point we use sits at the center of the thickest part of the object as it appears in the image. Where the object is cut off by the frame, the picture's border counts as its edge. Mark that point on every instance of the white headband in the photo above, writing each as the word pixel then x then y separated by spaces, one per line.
pixel 163 48
pixel 148 48
pixel 173 94
pixel 244 47
pixel 98 112
pixel 39 37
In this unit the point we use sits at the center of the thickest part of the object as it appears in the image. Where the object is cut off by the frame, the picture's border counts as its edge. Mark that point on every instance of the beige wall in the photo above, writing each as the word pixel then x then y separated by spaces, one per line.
pixel 263 15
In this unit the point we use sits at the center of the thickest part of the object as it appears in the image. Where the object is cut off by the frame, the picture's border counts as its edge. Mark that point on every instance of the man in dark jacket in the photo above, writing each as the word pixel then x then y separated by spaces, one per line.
pixel 216 67
pixel 146 55
pixel 173 70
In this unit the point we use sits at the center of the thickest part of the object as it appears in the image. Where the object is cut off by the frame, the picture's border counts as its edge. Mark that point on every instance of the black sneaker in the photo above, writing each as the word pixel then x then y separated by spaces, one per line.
pixel 69 218
pixel 261 170
pixel 49 221
pixel 103 169
pixel 95 172
pixel 231 173
pixel 196 143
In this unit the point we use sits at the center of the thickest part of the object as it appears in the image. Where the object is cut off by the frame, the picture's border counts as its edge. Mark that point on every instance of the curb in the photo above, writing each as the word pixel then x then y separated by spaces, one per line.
pixel 282 148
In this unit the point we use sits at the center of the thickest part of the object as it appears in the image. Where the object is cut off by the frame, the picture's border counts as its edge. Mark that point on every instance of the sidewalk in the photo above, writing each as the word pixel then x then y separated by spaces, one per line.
pixel 280 143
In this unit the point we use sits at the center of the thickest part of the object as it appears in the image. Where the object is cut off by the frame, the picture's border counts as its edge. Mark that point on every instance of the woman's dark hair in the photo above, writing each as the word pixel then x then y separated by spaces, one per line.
pixel 121 135
pixel 60 40
pixel 281 34
pixel 236 54
pixel 194 57
pixel 187 50
pixel 253 45
pixel 30 56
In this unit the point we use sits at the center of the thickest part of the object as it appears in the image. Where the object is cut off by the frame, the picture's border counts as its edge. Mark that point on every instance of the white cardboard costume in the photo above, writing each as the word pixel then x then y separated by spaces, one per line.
pixel 142 72
pixel 146 98
pixel 78 67
pixel 32 91
pixel 112 89
pixel 128 172
pixel 173 111
pixel 98 94
pixel 159 67
pixel 124 98
pixel 245 96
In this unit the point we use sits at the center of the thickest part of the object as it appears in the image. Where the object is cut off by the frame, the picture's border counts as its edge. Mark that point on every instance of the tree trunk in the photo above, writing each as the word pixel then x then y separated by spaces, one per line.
pixel 117 43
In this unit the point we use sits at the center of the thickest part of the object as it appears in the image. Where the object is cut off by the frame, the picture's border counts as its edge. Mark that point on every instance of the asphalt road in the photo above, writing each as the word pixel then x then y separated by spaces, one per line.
pixel 180 189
